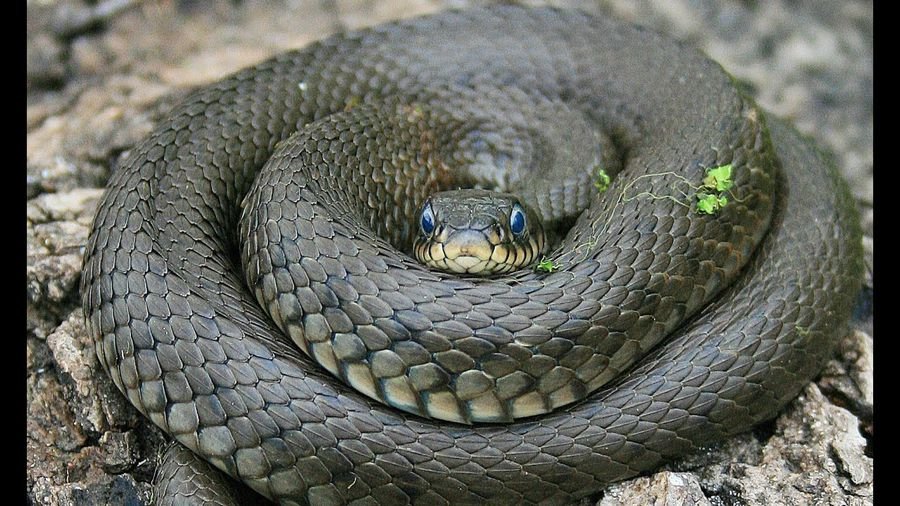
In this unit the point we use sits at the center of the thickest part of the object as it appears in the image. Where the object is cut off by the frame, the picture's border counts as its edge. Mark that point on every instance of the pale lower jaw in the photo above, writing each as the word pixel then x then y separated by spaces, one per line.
pixel 466 264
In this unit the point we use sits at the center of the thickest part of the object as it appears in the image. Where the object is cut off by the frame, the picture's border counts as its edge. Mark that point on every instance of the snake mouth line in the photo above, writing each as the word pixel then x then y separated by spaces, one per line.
pixel 478 259
pixel 466 264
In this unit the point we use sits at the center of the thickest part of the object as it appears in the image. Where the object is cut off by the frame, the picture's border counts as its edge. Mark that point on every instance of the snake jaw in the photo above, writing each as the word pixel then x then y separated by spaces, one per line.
pixel 464 251
pixel 466 264
pixel 475 252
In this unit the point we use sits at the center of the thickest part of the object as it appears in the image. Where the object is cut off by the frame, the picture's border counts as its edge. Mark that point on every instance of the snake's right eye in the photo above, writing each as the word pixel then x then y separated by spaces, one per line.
pixel 427 221
pixel 517 220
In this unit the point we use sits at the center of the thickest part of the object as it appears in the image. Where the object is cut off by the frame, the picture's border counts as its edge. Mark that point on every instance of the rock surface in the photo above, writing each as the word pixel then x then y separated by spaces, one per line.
pixel 100 74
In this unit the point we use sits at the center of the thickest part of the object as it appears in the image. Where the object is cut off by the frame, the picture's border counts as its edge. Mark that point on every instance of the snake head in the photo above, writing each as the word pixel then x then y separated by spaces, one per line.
pixel 478 232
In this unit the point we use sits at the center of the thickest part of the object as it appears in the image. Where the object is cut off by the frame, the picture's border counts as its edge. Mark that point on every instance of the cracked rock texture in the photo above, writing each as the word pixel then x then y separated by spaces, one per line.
pixel 101 73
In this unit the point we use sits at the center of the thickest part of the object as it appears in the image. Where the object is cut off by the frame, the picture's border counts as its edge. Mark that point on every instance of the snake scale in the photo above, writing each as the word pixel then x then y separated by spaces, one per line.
pixel 203 265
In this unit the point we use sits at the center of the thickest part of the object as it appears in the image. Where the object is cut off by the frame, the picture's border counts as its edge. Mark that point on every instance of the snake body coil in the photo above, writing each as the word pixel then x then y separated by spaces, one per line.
pixel 357 130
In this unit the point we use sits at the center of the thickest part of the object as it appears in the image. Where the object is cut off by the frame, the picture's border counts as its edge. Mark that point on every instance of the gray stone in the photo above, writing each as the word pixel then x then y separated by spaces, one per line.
pixel 120 450
pixel 661 489
pixel 816 455
pixel 56 233
pixel 850 379
pixel 77 366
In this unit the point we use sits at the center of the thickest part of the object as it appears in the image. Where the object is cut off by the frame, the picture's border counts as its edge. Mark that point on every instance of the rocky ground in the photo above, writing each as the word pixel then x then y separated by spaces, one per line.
pixel 100 74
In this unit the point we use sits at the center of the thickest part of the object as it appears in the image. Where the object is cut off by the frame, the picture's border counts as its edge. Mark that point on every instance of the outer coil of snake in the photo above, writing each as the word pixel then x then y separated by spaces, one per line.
pixel 355 131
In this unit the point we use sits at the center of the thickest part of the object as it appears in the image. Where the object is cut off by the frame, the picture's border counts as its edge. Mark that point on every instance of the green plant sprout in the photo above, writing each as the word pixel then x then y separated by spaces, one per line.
pixel 602 182
pixel 710 204
pixel 718 178
pixel 710 198
pixel 546 265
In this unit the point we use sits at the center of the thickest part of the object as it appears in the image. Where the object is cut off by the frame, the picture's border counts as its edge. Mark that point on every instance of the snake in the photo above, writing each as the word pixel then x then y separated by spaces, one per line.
pixel 249 285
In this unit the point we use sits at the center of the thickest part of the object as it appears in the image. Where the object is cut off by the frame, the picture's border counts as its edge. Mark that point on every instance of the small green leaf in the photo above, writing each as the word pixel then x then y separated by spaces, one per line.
pixel 718 178
pixel 706 204
pixel 602 182
pixel 710 204
pixel 546 265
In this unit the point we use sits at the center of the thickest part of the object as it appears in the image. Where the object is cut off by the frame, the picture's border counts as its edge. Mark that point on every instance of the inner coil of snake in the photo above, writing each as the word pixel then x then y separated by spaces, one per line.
pixel 264 216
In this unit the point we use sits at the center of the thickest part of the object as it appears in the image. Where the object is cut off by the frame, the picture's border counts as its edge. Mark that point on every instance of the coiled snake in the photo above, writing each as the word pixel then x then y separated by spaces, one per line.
pixel 758 289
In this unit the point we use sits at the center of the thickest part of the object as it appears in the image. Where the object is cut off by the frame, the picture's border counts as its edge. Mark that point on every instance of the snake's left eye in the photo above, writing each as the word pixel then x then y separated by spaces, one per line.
pixel 517 220
pixel 427 220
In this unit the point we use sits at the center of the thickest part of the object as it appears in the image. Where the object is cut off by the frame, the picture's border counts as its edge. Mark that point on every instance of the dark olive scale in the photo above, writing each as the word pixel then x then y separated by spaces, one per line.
pixel 355 132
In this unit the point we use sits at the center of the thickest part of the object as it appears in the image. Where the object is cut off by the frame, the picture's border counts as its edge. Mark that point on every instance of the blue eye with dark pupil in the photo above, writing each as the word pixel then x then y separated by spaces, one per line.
pixel 427 222
pixel 517 220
